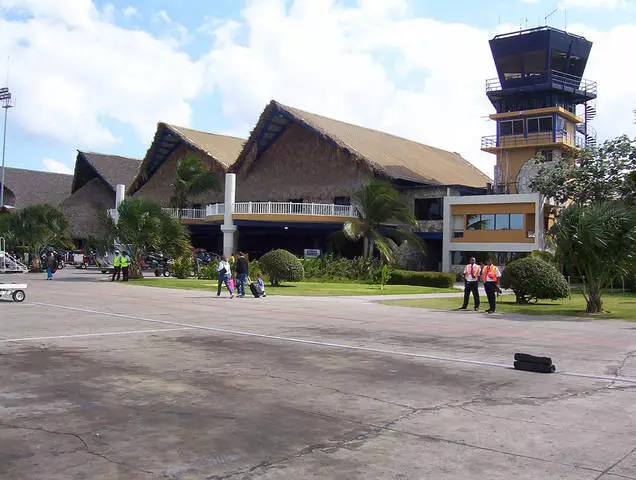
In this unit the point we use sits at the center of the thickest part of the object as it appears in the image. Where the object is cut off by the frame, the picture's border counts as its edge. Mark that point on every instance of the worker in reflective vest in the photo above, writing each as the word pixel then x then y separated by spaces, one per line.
pixel 471 283
pixel 116 266
pixel 125 265
pixel 491 276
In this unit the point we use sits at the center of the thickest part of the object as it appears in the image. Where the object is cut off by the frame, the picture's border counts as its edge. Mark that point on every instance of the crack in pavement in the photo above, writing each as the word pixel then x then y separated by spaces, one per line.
pixel 620 367
pixel 607 470
pixel 83 447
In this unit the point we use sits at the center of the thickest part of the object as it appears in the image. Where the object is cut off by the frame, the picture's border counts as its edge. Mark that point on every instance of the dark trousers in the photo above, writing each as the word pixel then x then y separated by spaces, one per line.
pixel 116 273
pixel 468 288
pixel 491 289
pixel 124 271
pixel 241 280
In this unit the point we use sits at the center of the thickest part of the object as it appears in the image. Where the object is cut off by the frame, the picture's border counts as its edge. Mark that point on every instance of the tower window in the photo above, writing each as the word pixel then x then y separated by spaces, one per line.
pixel 511 127
pixel 539 124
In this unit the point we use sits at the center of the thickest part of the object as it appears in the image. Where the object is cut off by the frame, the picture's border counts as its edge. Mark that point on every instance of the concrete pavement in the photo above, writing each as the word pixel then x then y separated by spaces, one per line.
pixel 104 380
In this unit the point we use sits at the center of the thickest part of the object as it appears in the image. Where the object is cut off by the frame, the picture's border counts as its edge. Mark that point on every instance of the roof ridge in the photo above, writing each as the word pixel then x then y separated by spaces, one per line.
pixel 109 155
pixel 173 126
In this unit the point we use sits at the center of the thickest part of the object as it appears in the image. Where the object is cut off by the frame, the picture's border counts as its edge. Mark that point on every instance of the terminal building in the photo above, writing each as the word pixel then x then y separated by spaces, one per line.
pixel 543 106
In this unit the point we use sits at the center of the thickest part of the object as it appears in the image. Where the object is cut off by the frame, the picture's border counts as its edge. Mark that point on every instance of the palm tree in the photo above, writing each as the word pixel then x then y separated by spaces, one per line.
pixel 379 204
pixel 193 178
pixel 143 227
pixel 595 242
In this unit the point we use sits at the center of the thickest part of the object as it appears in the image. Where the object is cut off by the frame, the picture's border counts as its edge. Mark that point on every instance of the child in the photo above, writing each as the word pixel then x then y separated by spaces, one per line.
pixel 261 283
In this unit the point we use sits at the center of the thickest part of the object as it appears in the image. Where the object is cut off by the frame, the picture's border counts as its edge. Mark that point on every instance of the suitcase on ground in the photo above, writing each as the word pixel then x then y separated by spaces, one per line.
pixel 256 289
pixel 524 357
pixel 534 367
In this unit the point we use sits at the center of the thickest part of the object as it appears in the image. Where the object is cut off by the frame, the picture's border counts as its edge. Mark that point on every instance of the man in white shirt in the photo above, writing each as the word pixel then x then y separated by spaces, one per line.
pixel 471 283
pixel 224 276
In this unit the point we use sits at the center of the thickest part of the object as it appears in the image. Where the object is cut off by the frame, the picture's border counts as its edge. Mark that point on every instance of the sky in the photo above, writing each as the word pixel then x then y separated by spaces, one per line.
pixel 97 75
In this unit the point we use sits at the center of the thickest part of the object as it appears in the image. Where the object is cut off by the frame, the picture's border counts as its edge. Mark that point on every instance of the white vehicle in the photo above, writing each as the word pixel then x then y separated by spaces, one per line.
pixel 15 290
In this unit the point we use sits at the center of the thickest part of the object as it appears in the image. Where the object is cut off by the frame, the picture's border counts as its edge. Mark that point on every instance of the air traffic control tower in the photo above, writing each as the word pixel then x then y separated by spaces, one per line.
pixel 536 95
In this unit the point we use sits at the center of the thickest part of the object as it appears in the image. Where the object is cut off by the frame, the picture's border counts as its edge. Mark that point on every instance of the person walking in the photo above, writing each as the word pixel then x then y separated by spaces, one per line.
pixel 50 264
pixel 471 284
pixel 224 276
pixel 491 275
pixel 125 266
pixel 242 270
pixel 116 266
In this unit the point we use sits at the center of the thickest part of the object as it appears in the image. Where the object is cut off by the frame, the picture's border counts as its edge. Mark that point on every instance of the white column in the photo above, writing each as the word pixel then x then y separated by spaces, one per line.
pixel 228 228
pixel 447 226
pixel 539 233
pixel 120 194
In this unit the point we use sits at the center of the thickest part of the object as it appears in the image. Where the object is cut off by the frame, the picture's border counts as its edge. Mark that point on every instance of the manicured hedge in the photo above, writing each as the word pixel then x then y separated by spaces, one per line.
pixel 422 279
pixel 281 265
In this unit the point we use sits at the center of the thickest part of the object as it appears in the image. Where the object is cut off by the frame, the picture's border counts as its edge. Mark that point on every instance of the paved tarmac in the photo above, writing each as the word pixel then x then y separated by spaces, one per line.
pixel 104 380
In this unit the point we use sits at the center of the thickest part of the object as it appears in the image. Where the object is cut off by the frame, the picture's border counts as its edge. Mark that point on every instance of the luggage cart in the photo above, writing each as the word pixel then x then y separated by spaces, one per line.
pixel 15 290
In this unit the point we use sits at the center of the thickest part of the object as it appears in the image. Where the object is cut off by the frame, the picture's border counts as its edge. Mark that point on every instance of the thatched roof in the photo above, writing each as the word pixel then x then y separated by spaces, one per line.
pixel 386 155
pixel 221 149
pixel 112 169
pixel 30 187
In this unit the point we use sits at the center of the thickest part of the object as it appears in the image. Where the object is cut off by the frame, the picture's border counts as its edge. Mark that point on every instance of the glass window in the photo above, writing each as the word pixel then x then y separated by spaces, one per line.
pixel 511 127
pixel 505 128
pixel 533 125
pixel 428 208
pixel 545 124
pixel 516 221
pixel 458 222
pixel 487 222
pixel 560 125
pixel 534 63
pixel 558 60
pixel 502 221
pixel 473 222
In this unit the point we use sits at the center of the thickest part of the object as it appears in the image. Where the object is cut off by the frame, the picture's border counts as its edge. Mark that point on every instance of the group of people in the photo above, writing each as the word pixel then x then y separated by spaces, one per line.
pixel 121 266
pixel 489 274
pixel 239 279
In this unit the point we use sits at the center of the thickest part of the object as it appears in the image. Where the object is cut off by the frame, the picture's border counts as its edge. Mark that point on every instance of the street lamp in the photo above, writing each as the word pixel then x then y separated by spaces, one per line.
pixel 5 98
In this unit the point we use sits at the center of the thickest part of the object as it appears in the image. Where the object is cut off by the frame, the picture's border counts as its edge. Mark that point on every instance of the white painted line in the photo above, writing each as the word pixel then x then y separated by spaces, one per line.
pixel 82 335
pixel 325 344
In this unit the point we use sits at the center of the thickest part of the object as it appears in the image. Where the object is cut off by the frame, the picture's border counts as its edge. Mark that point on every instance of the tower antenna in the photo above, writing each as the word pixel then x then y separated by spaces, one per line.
pixel 565 19
pixel 549 15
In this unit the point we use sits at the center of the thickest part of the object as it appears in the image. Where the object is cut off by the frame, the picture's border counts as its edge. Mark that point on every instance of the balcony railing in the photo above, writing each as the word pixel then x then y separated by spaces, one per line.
pixel 285 208
pixel 187 213
pixel 545 138
pixel 560 80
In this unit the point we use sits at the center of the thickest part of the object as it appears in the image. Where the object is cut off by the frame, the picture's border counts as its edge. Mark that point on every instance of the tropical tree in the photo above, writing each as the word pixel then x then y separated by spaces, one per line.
pixel 596 242
pixel 193 178
pixel 591 175
pixel 37 227
pixel 379 204
pixel 143 227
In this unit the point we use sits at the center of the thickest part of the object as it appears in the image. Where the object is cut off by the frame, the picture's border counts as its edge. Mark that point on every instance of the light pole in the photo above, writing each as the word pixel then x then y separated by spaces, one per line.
pixel 5 98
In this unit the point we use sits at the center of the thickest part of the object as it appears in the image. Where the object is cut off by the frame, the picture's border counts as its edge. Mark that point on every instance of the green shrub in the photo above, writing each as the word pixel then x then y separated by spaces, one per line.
pixel 281 265
pixel 182 266
pixel 382 276
pixel 254 268
pixel 422 279
pixel 533 278
pixel 329 267
pixel 208 272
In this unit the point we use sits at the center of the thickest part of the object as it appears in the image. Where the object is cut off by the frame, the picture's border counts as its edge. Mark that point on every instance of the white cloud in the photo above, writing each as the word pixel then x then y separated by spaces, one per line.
pixel 130 11
pixel 54 166
pixel 606 4
pixel 73 73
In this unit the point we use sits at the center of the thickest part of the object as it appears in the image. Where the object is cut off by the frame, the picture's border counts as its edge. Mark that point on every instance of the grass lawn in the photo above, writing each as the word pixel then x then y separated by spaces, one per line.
pixel 312 289
pixel 617 305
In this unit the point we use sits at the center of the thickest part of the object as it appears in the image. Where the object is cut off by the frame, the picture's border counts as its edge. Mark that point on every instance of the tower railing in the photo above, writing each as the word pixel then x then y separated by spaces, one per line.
pixel 555 79
pixel 544 138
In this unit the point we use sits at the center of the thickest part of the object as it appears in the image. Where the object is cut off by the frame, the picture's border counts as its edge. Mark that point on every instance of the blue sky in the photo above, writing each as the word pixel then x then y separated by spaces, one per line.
pixel 98 75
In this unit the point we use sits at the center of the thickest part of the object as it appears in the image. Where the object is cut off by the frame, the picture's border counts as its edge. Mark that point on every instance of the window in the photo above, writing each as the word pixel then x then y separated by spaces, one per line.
pixel 539 124
pixel 342 201
pixel 516 221
pixel 458 226
pixel 511 127
pixel 498 221
pixel 547 155
pixel 428 208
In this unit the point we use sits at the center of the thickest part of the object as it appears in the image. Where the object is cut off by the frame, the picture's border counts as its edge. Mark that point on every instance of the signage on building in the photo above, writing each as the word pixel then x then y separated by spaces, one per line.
pixel 312 252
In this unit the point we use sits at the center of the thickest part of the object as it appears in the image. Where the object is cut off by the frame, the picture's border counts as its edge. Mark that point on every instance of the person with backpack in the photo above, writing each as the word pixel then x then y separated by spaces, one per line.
pixel 224 276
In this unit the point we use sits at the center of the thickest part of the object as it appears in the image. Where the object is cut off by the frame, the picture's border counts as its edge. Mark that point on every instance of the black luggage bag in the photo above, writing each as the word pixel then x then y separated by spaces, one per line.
pixel 256 289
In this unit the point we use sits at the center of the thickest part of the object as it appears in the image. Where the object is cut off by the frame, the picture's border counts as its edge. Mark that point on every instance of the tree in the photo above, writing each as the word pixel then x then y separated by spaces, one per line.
pixel 193 178
pixel 380 204
pixel 534 278
pixel 37 227
pixel 591 175
pixel 595 242
pixel 281 265
pixel 144 228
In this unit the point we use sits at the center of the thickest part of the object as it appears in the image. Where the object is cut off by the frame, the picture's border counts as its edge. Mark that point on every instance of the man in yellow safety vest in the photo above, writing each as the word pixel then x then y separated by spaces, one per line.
pixel 471 279
pixel 116 266
pixel 491 279
pixel 125 265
